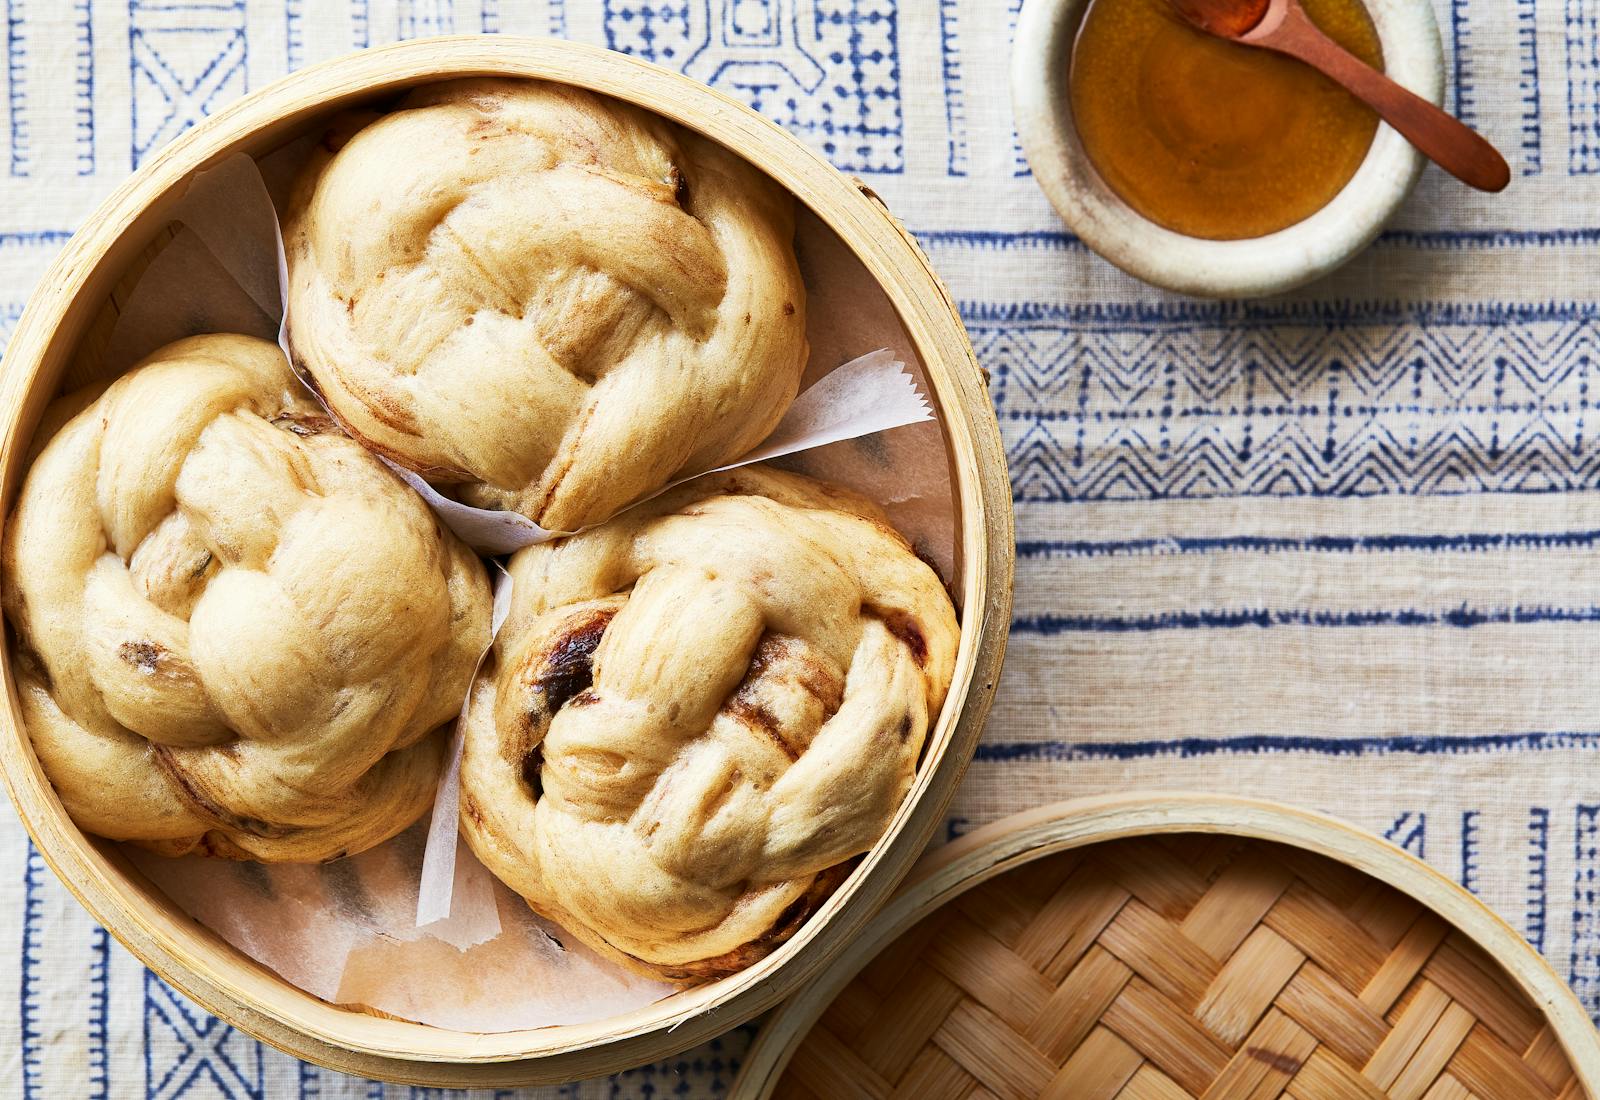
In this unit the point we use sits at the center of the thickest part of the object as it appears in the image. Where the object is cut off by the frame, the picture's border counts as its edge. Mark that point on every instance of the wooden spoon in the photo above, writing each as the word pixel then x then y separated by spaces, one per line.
pixel 1283 26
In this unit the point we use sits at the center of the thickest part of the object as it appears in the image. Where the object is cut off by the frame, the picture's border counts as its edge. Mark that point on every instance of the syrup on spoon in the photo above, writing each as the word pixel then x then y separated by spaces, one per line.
pixel 1284 27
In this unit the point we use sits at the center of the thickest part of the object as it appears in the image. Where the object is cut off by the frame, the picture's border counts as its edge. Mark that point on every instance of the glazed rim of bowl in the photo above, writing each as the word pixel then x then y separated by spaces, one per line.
pixel 1004 845
pixel 1046 30
pixel 257 1000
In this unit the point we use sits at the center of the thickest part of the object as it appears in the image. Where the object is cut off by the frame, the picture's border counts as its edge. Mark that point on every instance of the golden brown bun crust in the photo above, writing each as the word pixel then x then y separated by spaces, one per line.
pixel 699 712
pixel 235 631
pixel 551 300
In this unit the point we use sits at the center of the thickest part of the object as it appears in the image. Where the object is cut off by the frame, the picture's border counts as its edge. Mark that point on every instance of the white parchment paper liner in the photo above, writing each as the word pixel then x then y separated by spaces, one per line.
pixel 418 927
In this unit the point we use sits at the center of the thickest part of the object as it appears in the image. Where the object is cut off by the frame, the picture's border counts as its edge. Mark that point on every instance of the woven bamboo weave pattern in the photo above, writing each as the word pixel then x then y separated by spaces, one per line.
pixel 1181 967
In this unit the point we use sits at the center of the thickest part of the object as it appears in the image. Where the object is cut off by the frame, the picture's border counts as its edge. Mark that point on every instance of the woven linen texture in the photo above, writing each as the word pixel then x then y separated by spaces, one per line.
pixel 1338 548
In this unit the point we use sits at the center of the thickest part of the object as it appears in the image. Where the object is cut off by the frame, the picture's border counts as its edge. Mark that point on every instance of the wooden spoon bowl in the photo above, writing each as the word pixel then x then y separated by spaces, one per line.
pixel 1284 27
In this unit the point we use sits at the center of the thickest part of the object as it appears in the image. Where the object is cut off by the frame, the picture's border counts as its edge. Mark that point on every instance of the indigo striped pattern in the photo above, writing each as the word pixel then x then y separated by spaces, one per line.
pixel 1302 548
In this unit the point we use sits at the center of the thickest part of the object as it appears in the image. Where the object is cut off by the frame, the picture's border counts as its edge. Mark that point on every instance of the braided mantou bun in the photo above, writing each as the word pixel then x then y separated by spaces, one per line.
pixel 699 712
pixel 552 301
pixel 235 631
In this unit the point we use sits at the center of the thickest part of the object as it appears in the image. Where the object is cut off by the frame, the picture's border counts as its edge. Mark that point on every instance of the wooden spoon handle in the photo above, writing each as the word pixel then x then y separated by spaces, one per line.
pixel 1442 138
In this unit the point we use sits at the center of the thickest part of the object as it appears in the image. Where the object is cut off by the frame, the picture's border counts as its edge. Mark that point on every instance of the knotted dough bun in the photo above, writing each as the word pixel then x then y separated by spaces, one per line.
pixel 235 630
pixel 553 301
pixel 700 711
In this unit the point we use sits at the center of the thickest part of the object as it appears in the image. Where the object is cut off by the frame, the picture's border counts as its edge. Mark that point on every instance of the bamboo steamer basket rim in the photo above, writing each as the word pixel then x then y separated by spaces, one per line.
pixel 255 999
pixel 969 862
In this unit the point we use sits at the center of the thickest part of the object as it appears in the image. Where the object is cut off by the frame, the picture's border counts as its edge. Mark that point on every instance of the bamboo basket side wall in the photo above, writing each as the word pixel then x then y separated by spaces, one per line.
pixel 63 315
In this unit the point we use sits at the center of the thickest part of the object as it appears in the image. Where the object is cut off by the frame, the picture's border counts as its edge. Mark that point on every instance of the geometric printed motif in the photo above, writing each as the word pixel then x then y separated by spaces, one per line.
pixel 1409 831
pixel 182 67
pixel 19 140
pixel 1209 401
pixel 209 1058
pixel 1160 401
pixel 713 1066
pixel 958 125
pixel 1584 970
pixel 1582 24
pixel 828 70
pixel 420 18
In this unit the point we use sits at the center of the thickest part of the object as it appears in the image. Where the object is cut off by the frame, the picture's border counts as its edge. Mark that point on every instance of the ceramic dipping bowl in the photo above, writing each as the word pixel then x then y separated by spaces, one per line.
pixel 1041 64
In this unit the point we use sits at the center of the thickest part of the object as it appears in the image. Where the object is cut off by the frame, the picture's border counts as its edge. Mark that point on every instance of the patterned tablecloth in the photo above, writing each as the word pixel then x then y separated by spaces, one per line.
pixel 1340 548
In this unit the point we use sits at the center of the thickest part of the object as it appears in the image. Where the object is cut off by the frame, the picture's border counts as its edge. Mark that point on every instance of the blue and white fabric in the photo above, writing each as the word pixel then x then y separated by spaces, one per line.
pixel 1340 548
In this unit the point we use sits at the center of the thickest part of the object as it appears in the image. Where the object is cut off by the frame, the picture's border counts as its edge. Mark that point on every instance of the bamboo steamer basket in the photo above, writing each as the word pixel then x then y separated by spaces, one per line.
pixel 71 308
pixel 1172 946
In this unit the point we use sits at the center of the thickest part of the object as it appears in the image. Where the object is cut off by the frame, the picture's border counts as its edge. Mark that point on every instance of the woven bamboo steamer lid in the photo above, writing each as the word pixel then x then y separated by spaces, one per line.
pixel 78 296
pixel 1170 946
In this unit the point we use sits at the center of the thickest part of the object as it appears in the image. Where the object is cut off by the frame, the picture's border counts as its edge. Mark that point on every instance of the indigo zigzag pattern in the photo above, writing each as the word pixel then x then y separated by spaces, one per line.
pixel 1103 402
pixel 1175 407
